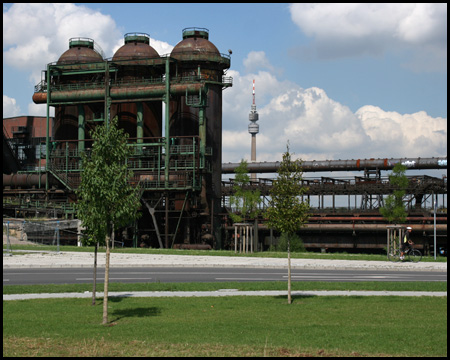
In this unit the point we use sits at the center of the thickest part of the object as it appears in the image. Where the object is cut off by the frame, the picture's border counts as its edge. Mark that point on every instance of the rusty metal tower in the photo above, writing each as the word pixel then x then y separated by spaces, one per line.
pixel 253 129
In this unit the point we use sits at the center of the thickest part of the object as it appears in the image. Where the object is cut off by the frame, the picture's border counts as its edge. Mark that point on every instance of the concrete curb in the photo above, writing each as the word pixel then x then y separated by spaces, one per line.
pixel 221 293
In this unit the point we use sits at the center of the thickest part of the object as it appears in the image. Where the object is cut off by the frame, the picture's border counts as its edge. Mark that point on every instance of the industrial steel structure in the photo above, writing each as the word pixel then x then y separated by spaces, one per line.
pixel 171 107
pixel 345 210
pixel 176 155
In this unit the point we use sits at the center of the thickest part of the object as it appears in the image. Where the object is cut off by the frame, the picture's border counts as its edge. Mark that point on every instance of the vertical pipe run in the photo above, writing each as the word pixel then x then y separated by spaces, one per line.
pixel 81 128
pixel 166 130
pixel 139 122
pixel 167 148
pixel 202 134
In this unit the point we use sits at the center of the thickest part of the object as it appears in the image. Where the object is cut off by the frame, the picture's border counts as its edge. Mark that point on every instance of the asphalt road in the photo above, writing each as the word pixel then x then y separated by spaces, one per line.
pixel 24 276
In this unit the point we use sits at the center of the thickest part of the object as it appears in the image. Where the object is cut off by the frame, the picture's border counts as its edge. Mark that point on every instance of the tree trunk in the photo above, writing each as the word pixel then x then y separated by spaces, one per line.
pixel 289 270
pixel 105 295
pixel 95 274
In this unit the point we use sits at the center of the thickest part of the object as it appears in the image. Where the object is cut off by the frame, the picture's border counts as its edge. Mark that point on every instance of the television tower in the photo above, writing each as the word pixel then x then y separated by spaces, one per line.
pixel 253 129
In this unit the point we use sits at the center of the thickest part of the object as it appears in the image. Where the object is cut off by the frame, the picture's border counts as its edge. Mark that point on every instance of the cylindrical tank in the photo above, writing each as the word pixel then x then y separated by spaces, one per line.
pixel 142 118
pixel 81 51
pixel 199 60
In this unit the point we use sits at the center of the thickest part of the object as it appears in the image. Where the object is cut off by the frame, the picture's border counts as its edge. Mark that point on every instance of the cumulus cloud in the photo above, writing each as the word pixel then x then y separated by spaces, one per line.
pixel 161 47
pixel 257 60
pixel 10 108
pixel 37 34
pixel 411 135
pixel 318 127
pixel 348 30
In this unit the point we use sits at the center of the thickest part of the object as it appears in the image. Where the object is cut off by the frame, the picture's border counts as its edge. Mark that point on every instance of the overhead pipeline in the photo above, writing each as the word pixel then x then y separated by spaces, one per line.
pixel 117 93
pixel 344 165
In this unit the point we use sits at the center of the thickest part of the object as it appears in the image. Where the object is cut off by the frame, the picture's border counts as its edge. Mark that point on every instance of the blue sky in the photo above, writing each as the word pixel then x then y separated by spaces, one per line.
pixel 338 81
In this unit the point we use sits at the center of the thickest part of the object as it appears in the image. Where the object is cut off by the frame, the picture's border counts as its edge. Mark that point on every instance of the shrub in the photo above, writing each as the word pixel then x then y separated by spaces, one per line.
pixel 296 243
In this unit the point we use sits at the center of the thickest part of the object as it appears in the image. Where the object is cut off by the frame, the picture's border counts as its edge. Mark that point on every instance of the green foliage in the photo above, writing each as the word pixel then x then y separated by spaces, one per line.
pixel 295 243
pixel 287 213
pixel 244 200
pixel 105 196
pixel 394 209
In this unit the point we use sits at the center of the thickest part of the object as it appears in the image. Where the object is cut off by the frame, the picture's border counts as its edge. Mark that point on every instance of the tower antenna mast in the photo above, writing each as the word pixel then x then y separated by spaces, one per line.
pixel 253 129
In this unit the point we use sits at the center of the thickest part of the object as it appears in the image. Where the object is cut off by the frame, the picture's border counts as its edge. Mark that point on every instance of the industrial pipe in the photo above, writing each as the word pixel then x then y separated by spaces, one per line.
pixel 25 180
pixel 358 227
pixel 117 93
pixel 344 165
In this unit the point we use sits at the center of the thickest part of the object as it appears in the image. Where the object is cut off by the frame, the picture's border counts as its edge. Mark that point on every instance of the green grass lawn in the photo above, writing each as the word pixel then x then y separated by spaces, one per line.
pixel 244 286
pixel 227 326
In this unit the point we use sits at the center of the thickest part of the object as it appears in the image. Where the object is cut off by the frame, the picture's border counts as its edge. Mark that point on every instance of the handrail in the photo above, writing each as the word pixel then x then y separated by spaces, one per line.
pixel 42 85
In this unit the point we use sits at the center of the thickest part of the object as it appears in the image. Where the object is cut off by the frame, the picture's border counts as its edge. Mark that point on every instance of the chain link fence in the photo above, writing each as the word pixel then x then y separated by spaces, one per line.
pixel 41 232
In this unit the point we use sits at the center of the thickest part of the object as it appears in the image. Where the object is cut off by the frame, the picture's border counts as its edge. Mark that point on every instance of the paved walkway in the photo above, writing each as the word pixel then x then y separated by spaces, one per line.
pixel 86 259
pixel 221 293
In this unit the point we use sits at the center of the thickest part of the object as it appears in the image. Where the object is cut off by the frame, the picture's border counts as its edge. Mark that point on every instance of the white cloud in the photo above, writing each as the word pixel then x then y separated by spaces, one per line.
pixel 39 110
pixel 409 135
pixel 10 108
pixel 347 30
pixel 317 127
pixel 257 60
pixel 37 34
pixel 161 47
pixel 320 128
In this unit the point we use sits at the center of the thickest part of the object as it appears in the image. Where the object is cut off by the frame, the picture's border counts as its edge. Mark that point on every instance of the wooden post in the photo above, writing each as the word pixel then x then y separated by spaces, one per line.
pixel 235 239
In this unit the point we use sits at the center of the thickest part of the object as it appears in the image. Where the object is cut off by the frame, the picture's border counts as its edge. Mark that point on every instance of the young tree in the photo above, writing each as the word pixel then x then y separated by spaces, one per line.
pixel 287 213
pixel 106 199
pixel 245 201
pixel 394 209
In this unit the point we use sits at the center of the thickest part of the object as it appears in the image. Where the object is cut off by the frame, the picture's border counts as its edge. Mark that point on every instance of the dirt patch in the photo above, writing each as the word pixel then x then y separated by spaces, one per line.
pixel 14 240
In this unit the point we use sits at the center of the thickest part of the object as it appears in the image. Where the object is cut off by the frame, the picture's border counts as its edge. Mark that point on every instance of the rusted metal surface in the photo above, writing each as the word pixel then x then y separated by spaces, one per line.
pixel 361 219
pixel 195 42
pixel 118 93
pixel 345 165
pixel 25 180
pixel 134 51
pixel 358 227
pixel 40 97
pixel 80 52
pixel 195 47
